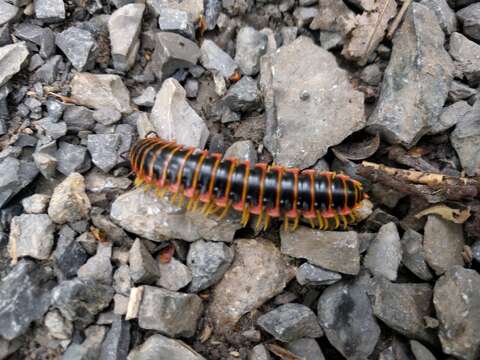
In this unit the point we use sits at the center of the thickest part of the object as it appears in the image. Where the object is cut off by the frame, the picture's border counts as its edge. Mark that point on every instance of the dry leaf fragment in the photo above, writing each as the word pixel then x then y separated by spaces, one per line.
pixel 454 215
pixel 282 353
pixel 99 235
pixel 206 333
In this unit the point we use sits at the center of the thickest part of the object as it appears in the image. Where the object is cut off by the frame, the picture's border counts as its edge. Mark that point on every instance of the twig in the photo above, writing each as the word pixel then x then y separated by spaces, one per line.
pixel 64 99
pixel 282 353
pixel 375 29
pixel 398 19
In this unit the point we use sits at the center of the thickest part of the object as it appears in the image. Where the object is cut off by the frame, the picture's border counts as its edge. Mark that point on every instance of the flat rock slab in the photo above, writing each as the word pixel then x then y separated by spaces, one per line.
pixel 416 81
pixel 12 58
pixel 168 348
pixel 331 250
pixel 315 104
pixel 258 273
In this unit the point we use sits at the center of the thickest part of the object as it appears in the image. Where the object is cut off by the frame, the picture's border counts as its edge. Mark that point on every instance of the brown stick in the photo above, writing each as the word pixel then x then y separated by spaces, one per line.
pixel 398 19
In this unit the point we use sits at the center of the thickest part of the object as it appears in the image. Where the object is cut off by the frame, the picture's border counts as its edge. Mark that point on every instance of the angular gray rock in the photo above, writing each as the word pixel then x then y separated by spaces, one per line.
pixel 251 45
pixel 385 252
pixel 24 297
pixel 371 74
pixel 466 54
pixel 69 201
pixel 96 182
pixel 12 59
pixel 36 203
pixel 244 95
pixel 124 26
pixel 99 267
pixel 259 352
pixel 173 118
pixel 170 313
pixel 170 349
pixel 78 118
pixel 143 268
pixel 347 319
pixel 465 140
pixel 43 37
pixel 291 322
pixel 69 255
pixel 52 129
pixel 331 250
pixel 107 116
pixel 304 15
pixel 244 150
pixel 421 352
pixel 445 15
pixel 460 91
pixel 403 307
pixel 414 255
pixel 89 348
pixel 310 103
pixel 81 300
pixel 104 150
pixel 215 59
pixel 177 21
pixel 58 327
pixel 147 98
pixel 208 261
pixel 450 116
pixel 147 215
pixel 117 342
pixel 14 176
pixel 443 244
pixel 49 10
pixel 173 52
pixel 174 275
pixel 8 12
pixel 101 90
pixel 306 349
pixel 457 304
pixel 72 158
pixel 194 8
pixel 416 81
pixel 308 274
pixel 258 273
pixel 79 46
pixel 31 235
pixel 469 17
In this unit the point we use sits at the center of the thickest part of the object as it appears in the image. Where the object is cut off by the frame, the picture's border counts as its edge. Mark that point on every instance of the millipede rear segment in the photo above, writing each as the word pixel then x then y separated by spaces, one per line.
pixel 326 200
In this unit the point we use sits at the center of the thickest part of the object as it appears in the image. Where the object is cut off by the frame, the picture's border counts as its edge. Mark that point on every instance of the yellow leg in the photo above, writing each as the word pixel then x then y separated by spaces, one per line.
pixel 195 204
pixel 337 221
pixel 285 223
pixel 352 217
pixel 174 197
pixel 245 216
pixel 137 182
pixel 320 220
pixel 344 222
pixel 225 211
pixel 267 222
pixel 182 199
pixel 312 224
pixel 259 220
pixel 295 223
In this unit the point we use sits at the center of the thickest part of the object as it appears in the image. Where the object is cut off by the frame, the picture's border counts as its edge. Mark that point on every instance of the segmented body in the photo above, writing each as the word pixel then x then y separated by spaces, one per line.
pixel 326 200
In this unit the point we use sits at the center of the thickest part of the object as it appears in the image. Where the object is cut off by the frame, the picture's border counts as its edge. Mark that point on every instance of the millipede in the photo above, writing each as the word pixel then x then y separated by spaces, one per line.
pixel 326 200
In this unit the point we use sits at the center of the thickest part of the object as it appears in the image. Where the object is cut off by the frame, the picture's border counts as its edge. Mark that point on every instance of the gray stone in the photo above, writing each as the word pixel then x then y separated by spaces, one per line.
pixel 470 19
pixel 43 37
pixel 162 348
pixel 80 300
pixel 457 304
pixel 143 268
pixel 331 250
pixel 12 59
pixel 58 327
pixel 251 45
pixel 450 116
pixel 208 262
pixel 466 54
pixel 191 88
pixel 346 316
pixel 212 12
pixel 291 322
pixel 89 348
pixel 259 352
pixel 48 72
pixel 47 164
pixel 466 139
pixel 98 267
pixel 174 275
pixel 258 273
pixel 120 304
pixel 443 244
pixel 72 158
pixel 416 81
pixel 36 203
pixel 124 26
pixel 79 46
pixel 331 40
pixel 289 34
pixel 459 91
pixel 154 218
pixel 193 7
pixel 147 98
pixel 97 181
pixel 104 150
pixel 14 176
pixel 243 95
pixel 237 7
pixel 215 59
pixel 69 202
pixel 177 21
pixel 243 150
pixel 308 274
pixel 52 129
pixel 4 32
pixel 285 77
pixel 122 282
pixel 170 313
pixel 55 109
pixel 117 341
pixel 476 250
pixel 414 256
pixel 173 52
pixel 8 12
pixel 445 15
pixel 31 235
pixel 304 15
pixel 107 116
pixel 306 349
pixel 69 255
pixel 24 297
pixel 371 74
pixel 78 118
pixel 88 242
pixel 403 307
pixel 100 91
pixel 421 352
pixel 173 118
pixel 49 10
pixel 385 253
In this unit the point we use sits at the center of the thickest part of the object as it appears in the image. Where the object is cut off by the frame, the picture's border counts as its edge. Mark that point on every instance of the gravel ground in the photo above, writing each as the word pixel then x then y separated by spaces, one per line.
pixel 92 268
